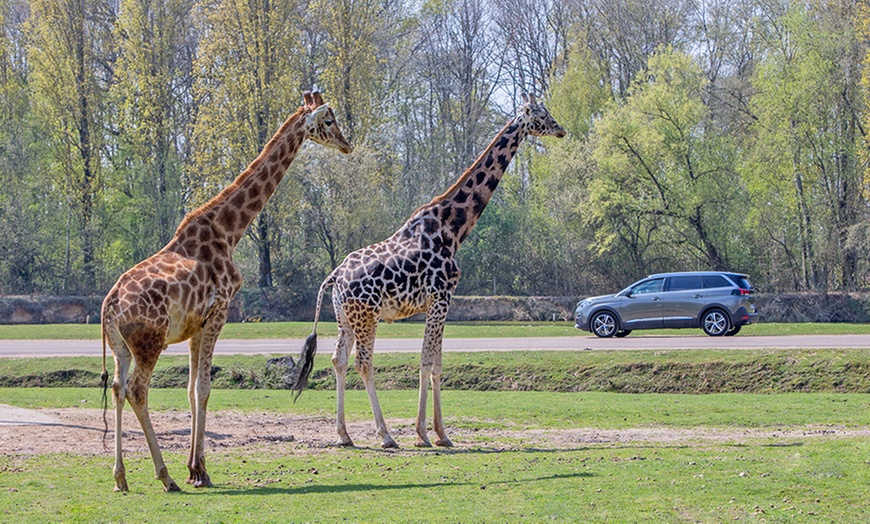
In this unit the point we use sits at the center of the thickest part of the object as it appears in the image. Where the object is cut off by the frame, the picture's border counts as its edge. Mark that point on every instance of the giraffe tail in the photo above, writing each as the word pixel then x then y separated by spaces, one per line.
pixel 104 379
pixel 309 349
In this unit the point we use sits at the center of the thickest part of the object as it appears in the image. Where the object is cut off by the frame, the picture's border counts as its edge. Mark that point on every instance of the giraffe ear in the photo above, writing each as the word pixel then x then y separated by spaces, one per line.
pixel 317 114
pixel 309 100
pixel 525 98
pixel 532 100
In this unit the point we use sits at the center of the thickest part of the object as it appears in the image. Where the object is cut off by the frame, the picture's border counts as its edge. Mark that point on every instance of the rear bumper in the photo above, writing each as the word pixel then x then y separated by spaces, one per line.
pixel 743 317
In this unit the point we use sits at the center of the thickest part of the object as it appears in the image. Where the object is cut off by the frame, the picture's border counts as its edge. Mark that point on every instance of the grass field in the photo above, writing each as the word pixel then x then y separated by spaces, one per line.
pixel 538 439
pixel 254 330
pixel 808 475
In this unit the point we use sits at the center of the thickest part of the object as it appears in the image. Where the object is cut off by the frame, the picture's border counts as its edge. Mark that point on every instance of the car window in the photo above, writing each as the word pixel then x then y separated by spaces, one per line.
pixel 684 282
pixel 650 286
pixel 743 282
pixel 711 281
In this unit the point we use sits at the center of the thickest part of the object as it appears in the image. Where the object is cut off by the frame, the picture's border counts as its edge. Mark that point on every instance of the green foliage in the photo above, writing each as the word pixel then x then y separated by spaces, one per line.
pixel 726 137
pixel 804 167
pixel 68 46
pixel 152 91
pixel 666 176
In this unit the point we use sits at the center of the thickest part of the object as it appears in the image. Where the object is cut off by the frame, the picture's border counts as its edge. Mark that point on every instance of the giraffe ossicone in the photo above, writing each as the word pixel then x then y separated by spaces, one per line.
pixel 415 271
pixel 184 290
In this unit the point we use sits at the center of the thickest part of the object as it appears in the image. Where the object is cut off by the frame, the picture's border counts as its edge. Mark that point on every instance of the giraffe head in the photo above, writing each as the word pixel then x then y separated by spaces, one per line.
pixel 538 120
pixel 320 124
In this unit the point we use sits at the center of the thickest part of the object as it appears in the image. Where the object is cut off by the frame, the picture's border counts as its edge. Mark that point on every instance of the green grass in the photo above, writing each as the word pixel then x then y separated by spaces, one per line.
pixel 674 371
pixel 512 409
pixel 256 330
pixel 762 482
pixel 488 478
pixel 764 479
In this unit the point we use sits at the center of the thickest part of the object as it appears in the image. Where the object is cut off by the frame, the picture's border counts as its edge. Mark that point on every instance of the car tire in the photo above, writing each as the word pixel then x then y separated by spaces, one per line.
pixel 622 333
pixel 715 322
pixel 603 324
pixel 733 331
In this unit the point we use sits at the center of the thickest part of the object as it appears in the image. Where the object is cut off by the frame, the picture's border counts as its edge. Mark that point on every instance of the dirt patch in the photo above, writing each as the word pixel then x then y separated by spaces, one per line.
pixel 78 430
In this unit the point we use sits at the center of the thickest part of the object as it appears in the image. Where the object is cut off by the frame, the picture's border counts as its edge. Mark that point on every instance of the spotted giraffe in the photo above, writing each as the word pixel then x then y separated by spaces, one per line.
pixel 415 271
pixel 183 291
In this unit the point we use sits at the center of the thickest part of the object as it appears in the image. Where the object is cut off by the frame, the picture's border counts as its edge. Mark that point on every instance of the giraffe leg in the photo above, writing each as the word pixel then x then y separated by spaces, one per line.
pixel 430 371
pixel 339 362
pixel 122 359
pixel 437 418
pixel 202 392
pixel 364 330
pixel 420 425
pixel 193 365
pixel 137 395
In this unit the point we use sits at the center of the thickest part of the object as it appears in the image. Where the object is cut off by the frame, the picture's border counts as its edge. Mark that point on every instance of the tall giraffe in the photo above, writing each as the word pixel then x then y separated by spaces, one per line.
pixel 415 271
pixel 183 292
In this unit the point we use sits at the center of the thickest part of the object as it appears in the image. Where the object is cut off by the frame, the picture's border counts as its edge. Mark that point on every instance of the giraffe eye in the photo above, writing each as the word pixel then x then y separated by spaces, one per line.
pixel 328 123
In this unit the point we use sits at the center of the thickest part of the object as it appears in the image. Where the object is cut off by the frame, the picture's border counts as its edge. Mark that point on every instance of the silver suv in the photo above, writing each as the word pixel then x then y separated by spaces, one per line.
pixel 717 302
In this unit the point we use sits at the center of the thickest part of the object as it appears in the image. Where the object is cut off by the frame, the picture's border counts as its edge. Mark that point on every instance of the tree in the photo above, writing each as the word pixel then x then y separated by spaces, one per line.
pixel 623 34
pixel 24 268
pixel 152 88
pixel 666 186
pixel 360 39
pixel 533 35
pixel 444 114
pixel 805 166
pixel 246 70
pixel 70 50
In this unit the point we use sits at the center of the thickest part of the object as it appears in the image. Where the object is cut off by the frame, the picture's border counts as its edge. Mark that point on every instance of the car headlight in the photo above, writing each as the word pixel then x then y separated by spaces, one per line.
pixel 583 304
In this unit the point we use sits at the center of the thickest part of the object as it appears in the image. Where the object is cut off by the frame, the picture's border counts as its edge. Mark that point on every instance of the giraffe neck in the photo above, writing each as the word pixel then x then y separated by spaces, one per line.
pixel 233 209
pixel 460 207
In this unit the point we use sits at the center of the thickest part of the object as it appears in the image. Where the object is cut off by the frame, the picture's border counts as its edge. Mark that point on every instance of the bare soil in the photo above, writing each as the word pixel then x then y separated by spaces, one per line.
pixel 78 430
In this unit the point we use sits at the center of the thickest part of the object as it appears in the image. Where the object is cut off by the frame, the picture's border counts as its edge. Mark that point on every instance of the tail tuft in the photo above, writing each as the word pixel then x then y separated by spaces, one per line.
pixel 104 376
pixel 104 383
pixel 305 364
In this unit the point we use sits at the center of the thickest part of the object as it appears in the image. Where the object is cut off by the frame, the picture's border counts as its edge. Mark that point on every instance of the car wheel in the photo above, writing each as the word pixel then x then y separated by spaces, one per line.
pixel 603 324
pixel 715 323
pixel 622 333
pixel 733 331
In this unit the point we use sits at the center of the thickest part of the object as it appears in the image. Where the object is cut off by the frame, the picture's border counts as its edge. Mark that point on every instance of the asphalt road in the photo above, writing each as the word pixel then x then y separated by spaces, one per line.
pixel 69 348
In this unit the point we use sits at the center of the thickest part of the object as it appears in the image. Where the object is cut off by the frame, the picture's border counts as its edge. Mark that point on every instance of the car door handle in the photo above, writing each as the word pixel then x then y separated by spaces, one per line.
pixel 655 299
pixel 696 296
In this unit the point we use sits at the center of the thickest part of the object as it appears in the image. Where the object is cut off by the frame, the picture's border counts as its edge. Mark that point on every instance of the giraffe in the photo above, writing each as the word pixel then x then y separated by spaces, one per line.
pixel 184 290
pixel 415 271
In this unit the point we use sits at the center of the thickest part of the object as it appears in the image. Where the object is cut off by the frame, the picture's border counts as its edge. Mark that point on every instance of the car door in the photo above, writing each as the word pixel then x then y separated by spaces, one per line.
pixel 682 301
pixel 641 308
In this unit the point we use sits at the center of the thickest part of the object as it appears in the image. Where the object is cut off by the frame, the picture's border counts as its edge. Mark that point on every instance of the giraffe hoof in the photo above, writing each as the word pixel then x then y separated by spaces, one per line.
pixel 390 444
pixel 423 443
pixel 345 443
pixel 444 443
pixel 172 486
pixel 121 488
pixel 203 482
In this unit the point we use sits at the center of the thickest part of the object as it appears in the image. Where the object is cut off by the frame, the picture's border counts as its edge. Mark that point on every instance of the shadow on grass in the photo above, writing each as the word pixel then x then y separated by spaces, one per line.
pixel 349 488
pixel 593 446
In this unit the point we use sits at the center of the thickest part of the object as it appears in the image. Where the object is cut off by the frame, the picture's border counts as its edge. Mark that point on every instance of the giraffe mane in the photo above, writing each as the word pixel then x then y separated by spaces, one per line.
pixel 464 177
pixel 247 173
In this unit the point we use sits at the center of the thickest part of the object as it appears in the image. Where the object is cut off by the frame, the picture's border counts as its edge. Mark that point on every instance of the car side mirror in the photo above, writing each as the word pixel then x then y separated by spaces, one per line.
pixel 627 294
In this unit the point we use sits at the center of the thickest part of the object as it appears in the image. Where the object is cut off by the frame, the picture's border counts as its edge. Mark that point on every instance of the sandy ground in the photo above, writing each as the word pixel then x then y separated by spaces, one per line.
pixel 80 430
